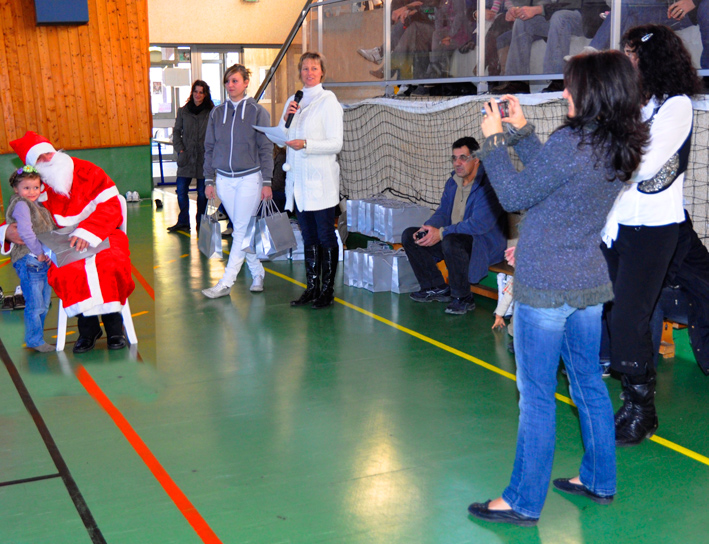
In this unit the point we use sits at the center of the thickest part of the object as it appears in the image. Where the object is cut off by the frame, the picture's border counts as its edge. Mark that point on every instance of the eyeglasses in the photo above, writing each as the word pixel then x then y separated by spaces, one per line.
pixel 463 158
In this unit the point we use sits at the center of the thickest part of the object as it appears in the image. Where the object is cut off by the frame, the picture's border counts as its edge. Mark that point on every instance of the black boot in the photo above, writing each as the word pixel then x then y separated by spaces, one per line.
pixel 328 265
pixel 312 274
pixel 637 418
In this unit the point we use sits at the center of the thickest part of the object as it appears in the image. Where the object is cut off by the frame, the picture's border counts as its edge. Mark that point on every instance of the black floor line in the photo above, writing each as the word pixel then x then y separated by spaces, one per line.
pixel 81 507
pixel 28 480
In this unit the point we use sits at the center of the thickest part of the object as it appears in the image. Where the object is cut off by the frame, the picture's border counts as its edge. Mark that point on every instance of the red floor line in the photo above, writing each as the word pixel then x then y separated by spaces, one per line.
pixel 5 263
pixel 143 282
pixel 193 517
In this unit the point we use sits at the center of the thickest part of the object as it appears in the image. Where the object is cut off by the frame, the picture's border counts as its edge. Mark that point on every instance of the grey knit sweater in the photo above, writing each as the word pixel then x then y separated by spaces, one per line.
pixel 567 198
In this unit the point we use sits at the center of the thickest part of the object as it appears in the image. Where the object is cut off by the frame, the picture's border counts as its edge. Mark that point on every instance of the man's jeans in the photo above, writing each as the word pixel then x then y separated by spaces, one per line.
pixel 640 13
pixel 542 336
pixel 454 249
pixel 35 289
pixel 559 30
pixel 183 200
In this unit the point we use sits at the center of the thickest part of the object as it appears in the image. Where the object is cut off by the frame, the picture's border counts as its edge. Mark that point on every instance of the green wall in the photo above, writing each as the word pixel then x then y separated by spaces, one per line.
pixel 129 167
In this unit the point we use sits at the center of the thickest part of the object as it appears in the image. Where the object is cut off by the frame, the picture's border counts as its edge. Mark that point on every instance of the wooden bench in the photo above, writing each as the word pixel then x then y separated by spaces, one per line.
pixel 498 268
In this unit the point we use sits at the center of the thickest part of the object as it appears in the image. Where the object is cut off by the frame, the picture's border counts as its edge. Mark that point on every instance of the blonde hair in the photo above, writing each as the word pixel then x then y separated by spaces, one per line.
pixel 237 68
pixel 312 55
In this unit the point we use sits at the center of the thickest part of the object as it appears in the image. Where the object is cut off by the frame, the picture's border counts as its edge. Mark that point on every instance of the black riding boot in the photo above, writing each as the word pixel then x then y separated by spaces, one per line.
pixel 328 266
pixel 312 274
pixel 637 418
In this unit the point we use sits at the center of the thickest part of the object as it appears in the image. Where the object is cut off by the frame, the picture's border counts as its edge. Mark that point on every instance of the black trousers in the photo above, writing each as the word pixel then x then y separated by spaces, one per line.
pixel 89 324
pixel 637 264
pixel 454 249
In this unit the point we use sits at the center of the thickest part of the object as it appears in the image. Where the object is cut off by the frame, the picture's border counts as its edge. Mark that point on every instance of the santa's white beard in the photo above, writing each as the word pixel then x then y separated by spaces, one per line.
pixel 58 173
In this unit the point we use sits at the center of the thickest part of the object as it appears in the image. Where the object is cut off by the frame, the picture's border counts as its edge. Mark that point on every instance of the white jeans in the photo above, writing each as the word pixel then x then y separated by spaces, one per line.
pixel 241 197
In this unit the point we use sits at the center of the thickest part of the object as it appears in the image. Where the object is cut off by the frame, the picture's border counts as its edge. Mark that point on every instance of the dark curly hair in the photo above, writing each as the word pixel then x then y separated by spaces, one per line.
pixel 207 94
pixel 605 90
pixel 664 63
pixel 26 172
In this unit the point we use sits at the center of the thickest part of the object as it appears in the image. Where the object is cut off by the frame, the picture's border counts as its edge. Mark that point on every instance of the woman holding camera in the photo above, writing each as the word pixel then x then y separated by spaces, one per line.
pixel 642 229
pixel 568 186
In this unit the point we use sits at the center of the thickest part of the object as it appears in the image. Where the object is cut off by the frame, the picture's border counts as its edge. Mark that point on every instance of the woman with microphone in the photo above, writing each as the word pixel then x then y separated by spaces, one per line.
pixel 313 176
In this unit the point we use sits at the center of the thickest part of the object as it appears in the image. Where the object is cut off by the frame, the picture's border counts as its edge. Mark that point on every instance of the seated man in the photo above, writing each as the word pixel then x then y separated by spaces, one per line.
pixel 536 20
pixel 80 193
pixel 467 232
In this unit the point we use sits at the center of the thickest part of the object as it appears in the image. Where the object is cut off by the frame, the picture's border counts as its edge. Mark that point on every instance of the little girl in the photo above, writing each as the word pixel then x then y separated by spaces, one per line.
pixel 29 260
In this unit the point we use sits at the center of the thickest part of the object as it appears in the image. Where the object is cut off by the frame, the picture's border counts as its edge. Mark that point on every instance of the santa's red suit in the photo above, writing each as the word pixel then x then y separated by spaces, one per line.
pixel 99 284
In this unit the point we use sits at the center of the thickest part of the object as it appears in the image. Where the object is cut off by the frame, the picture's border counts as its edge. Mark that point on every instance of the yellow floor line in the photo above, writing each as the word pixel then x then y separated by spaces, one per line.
pixel 663 442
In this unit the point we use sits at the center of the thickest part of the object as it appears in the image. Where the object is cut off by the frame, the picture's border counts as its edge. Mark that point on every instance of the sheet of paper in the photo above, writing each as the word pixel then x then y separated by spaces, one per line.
pixel 275 134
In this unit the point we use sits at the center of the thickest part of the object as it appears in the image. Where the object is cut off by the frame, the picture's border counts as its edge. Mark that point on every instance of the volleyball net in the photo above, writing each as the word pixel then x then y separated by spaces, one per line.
pixel 402 148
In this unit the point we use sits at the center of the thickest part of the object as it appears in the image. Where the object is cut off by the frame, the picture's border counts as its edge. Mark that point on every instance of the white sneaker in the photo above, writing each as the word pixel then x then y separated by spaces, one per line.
pixel 372 55
pixel 136 196
pixel 257 284
pixel 219 290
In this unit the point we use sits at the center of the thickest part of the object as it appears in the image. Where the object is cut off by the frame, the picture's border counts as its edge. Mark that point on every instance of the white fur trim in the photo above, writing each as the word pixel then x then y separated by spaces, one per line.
pixel 37 150
pixel 85 307
pixel 84 234
pixel 103 196
pixel 3 228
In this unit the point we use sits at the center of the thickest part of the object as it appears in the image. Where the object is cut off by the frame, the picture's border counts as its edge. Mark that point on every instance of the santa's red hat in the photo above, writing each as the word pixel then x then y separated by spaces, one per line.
pixel 31 146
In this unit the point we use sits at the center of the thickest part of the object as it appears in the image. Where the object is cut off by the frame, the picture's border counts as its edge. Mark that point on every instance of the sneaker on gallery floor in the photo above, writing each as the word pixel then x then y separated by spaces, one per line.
pixel 374 55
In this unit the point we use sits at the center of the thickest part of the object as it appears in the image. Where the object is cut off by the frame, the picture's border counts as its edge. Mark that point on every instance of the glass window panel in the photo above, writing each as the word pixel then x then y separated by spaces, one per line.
pixel 212 74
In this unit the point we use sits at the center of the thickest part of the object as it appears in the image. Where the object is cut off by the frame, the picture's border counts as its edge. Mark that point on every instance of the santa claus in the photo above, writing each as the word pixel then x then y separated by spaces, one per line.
pixel 79 193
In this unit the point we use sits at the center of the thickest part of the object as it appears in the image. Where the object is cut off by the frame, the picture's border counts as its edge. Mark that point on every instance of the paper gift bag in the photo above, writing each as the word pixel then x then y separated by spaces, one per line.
pixel 210 236
pixel 377 271
pixel 298 252
pixel 353 215
pixel 348 275
pixel 248 244
pixel 403 279
pixel 398 218
pixel 275 229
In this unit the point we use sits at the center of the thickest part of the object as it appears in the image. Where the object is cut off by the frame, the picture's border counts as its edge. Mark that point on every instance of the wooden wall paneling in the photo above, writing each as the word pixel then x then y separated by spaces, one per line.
pixel 119 74
pixel 7 125
pixel 92 37
pixel 141 44
pixel 81 86
pixel 49 66
pixel 79 94
pixel 88 68
pixel 129 91
pixel 69 120
pixel 30 92
pixel 138 45
pixel 13 99
pixel 107 76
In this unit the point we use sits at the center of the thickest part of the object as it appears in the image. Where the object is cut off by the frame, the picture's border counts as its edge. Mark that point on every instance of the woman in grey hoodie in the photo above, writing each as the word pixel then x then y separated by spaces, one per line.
pixel 238 160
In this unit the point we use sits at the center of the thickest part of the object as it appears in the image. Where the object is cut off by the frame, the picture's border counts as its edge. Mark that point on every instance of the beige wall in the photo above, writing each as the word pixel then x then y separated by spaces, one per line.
pixel 222 21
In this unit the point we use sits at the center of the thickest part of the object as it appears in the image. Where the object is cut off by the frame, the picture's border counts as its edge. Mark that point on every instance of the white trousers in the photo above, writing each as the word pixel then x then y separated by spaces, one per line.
pixel 241 197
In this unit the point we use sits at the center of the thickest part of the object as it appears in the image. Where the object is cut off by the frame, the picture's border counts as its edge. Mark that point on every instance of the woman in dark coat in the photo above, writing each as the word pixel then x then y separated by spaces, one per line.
pixel 188 142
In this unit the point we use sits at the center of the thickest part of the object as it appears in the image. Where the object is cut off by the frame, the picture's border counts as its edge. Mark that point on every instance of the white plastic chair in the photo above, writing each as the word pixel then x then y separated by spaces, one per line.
pixel 125 312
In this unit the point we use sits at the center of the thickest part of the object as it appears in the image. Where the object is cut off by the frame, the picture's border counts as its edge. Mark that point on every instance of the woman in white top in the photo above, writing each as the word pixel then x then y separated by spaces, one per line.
pixel 313 177
pixel 640 235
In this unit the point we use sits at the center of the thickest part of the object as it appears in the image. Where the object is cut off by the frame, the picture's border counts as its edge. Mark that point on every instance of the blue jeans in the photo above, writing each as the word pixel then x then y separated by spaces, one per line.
pixel 542 336
pixel 318 227
pixel 35 289
pixel 183 199
pixel 703 23
pixel 558 30
pixel 638 12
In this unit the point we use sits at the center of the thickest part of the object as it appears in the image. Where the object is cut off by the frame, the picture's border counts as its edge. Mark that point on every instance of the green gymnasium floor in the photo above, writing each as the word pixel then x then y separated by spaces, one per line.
pixel 242 420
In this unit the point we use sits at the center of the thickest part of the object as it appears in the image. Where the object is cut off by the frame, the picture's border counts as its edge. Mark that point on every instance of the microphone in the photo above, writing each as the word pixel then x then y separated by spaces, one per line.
pixel 297 98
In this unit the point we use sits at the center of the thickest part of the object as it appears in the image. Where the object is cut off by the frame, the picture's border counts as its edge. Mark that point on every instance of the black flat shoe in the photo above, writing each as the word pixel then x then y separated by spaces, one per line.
pixel 482 511
pixel 178 227
pixel 565 485
pixel 86 343
pixel 116 342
